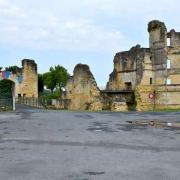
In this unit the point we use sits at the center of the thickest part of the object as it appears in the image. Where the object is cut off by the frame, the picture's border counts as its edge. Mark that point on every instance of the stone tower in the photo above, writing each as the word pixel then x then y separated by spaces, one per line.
pixel 158 46
pixel 29 85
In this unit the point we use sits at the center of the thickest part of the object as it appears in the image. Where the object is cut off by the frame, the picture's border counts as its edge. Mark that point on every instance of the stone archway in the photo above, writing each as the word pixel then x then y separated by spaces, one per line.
pixel 7 95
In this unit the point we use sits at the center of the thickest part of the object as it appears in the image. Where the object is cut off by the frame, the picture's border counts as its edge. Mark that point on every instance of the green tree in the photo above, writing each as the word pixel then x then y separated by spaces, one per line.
pixel 5 89
pixel 49 81
pixel 60 76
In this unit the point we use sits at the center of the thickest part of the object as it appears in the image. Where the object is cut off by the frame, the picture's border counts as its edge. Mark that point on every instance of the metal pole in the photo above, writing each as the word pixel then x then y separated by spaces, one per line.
pixel 14 103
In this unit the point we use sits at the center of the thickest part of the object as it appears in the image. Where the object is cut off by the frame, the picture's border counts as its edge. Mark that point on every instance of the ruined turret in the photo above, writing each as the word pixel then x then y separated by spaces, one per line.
pixel 157 34
pixel 30 78
pixel 158 45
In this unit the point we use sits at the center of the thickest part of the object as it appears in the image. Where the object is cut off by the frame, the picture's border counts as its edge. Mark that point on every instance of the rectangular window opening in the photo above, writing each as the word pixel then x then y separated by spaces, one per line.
pixel 168 64
pixel 128 85
pixel 168 42
pixel 150 80
pixel 168 81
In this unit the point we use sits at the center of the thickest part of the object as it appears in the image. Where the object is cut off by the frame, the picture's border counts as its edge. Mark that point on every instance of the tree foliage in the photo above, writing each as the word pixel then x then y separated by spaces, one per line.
pixel 59 75
pixel 55 79
pixel 5 89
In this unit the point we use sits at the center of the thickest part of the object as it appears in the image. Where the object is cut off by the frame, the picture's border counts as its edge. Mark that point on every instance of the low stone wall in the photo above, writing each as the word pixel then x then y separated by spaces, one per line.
pixel 60 103
pixel 119 106
pixel 143 101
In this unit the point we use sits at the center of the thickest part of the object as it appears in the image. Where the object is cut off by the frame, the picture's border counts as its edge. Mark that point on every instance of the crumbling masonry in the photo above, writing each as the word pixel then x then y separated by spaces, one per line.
pixel 25 80
pixel 142 79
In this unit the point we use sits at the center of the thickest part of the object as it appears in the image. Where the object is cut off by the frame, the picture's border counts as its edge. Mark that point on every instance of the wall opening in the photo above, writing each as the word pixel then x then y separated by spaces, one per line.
pixel 168 81
pixel 168 42
pixel 168 64
pixel 128 85
pixel 150 80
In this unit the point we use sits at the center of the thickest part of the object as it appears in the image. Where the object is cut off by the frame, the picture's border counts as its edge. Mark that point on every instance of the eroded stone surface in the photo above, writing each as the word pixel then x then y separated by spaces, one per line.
pixel 82 90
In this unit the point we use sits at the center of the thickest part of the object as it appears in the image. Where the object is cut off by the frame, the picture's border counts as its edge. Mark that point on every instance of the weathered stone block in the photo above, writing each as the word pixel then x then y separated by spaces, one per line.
pixel 119 106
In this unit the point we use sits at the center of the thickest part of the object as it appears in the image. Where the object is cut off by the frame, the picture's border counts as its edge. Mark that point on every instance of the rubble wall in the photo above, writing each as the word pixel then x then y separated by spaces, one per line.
pixel 82 90
pixel 128 69
pixel 157 97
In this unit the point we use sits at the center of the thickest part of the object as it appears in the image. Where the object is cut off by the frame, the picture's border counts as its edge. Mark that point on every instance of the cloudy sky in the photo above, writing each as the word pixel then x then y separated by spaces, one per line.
pixel 68 32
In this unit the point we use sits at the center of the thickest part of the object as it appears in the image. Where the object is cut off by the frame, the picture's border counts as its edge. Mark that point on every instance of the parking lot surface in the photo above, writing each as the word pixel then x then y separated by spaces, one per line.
pixel 62 145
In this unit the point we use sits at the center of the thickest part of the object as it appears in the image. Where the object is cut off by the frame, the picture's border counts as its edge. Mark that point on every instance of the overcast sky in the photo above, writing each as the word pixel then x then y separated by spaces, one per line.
pixel 68 32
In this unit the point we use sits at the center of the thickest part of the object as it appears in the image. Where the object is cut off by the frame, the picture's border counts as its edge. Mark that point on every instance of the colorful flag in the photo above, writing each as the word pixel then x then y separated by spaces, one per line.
pixel 3 74
pixel 7 74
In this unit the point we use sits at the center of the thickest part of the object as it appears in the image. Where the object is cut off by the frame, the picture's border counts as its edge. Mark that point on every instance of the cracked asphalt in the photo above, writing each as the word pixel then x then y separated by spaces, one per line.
pixel 39 144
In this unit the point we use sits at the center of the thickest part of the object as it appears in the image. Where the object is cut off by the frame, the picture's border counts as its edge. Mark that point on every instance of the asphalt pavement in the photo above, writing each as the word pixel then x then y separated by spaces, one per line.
pixel 37 144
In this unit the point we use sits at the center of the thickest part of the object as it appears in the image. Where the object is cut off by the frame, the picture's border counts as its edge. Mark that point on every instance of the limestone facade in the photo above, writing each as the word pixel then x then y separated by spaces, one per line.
pixel 25 80
pixel 143 78
pixel 82 90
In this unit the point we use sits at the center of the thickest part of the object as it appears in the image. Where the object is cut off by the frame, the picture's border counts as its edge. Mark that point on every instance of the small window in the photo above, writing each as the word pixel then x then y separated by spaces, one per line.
pixel 128 85
pixel 24 95
pixel 168 81
pixel 168 42
pixel 19 95
pixel 168 64
pixel 150 80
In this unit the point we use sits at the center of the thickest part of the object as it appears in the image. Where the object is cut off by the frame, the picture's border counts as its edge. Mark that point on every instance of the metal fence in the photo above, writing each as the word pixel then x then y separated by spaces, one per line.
pixel 6 104
pixel 44 102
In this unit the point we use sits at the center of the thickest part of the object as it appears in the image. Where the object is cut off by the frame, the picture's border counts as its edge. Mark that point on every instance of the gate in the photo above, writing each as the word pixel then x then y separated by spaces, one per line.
pixel 6 104
pixel 6 95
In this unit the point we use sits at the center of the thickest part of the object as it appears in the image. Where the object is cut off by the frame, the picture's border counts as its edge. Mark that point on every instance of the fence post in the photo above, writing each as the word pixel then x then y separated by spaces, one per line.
pixel 14 103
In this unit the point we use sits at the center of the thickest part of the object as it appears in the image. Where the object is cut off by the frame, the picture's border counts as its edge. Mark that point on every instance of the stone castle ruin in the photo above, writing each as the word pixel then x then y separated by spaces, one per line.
pixel 82 90
pixel 142 79
pixel 25 79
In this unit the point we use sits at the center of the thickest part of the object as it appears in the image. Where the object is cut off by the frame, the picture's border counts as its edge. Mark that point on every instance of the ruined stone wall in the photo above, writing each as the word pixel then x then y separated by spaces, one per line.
pixel 158 45
pixel 25 79
pixel 128 69
pixel 174 38
pixel 143 71
pixel 143 102
pixel 111 100
pixel 29 85
pixel 173 73
pixel 165 97
pixel 82 90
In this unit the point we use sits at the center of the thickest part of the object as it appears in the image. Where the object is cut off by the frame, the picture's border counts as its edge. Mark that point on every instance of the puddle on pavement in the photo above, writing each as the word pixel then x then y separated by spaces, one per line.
pixel 24 149
pixel 3 122
pixel 94 173
pixel 100 127
pixel 144 124
pixel 22 130
pixel 130 127
pixel 84 116
pixel 6 149
pixel 135 125
pixel 6 132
